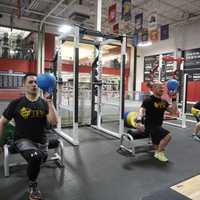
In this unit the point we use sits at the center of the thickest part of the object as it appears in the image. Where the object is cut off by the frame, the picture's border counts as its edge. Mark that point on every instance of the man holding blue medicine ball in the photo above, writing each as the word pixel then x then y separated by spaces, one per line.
pixel 152 109
pixel 31 115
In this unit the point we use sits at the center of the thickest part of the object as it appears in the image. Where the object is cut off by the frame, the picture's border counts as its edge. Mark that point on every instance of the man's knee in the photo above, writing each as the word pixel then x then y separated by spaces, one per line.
pixel 168 137
pixel 198 125
pixel 34 156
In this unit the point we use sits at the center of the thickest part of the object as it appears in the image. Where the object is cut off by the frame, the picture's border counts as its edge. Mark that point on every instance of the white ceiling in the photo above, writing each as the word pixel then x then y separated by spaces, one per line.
pixel 53 13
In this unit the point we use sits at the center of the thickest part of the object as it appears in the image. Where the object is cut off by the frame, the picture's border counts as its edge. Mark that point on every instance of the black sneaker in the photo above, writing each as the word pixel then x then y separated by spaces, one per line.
pixel 34 192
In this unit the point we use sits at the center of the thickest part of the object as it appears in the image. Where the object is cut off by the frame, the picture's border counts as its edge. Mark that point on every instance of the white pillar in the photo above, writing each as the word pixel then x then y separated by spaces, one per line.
pixel 41 52
pixel 130 78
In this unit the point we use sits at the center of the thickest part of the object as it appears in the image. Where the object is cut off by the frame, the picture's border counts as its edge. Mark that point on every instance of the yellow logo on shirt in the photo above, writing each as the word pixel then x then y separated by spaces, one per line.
pixel 160 105
pixel 27 113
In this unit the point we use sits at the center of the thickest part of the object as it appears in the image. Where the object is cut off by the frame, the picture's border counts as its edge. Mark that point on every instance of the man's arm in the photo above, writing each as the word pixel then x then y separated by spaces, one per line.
pixel 139 119
pixel 172 108
pixel 141 114
pixel 52 116
pixel 3 122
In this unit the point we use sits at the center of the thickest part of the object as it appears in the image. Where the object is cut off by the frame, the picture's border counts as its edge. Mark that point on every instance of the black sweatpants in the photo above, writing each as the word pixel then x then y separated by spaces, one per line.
pixel 34 153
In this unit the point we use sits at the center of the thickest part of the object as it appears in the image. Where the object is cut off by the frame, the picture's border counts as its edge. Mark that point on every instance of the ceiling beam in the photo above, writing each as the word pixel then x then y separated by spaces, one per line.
pixel 186 21
pixel 50 12
pixel 190 3
pixel 26 23
pixel 141 6
pixel 32 4
pixel 172 6
pixel 34 12
pixel 65 7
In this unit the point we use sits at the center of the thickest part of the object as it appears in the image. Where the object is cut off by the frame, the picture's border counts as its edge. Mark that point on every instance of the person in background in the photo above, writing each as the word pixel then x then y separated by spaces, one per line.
pixel 196 113
pixel 149 84
pixel 152 109
pixel 31 115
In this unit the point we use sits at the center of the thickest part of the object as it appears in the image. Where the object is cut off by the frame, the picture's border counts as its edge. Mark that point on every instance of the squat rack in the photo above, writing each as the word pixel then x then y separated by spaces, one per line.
pixel 102 39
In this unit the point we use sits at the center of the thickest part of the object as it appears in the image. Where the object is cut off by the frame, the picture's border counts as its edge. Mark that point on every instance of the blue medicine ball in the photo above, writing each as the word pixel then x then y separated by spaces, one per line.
pixel 126 115
pixel 46 82
pixel 172 85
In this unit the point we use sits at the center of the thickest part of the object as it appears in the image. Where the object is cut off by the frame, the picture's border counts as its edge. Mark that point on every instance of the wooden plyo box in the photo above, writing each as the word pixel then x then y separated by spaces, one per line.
pixel 189 188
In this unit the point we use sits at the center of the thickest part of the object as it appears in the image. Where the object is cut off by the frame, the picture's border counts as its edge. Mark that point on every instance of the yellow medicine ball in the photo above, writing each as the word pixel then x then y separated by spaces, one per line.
pixel 195 111
pixel 131 118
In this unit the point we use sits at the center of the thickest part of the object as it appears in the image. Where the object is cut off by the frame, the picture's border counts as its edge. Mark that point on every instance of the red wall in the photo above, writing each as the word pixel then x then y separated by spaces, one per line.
pixel 105 70
pixel 26 66
pixel 87 69
pixel 17 66
pixel 193 91
pixel 9 94
pixel 49 49
pixel 144 87
pixel 31 66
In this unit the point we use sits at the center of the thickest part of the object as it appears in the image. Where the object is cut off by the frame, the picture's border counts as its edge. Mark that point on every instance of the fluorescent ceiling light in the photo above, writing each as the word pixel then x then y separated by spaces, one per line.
pixel 144 44
pixel 65 29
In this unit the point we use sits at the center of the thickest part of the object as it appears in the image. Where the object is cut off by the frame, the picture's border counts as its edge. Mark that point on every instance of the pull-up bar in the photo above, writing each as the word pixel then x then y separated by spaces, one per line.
pixel 87 31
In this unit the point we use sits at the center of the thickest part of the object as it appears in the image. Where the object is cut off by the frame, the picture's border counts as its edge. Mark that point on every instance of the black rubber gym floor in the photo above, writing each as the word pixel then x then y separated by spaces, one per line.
pixel 95 171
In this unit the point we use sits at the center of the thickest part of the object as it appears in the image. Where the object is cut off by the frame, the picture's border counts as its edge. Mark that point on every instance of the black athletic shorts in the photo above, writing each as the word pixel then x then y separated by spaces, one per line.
pixel 157 133
pixel 26 144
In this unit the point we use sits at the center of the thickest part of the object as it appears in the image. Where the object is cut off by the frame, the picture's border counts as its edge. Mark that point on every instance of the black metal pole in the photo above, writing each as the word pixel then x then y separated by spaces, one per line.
pixel 123 85
pixel 55 68
pixel 94 90
pixel 76 76
pixel 186 92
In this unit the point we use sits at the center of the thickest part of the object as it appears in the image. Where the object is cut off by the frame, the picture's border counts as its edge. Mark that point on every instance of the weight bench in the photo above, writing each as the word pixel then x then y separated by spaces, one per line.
pixel 54 143
pixel 135 141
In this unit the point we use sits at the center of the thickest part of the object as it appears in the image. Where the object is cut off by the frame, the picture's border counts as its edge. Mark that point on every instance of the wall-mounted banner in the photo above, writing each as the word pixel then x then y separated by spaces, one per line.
pixel 138 21
pixel 22 5
pixel 135 39
pixel 140 36
pixel 112 13
pixel 154 35
pixel 153 21
pixel 126 10
pixel 116 28
pixel 164 32
pixel 145 35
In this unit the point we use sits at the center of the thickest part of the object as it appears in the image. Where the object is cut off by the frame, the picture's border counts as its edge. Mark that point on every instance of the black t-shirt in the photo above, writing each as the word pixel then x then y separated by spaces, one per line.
pixel 155 108
pixel 30 118
pixel 197 105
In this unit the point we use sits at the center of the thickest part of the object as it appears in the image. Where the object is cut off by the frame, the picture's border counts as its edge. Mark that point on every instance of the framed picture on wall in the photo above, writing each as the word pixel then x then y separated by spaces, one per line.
pixel 192 64
pixel 151 67
pixel 167 68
